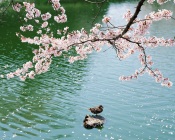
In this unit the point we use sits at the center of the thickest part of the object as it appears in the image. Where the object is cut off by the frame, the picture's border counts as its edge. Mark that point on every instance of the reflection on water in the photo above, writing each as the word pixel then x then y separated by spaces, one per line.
pixel 53 105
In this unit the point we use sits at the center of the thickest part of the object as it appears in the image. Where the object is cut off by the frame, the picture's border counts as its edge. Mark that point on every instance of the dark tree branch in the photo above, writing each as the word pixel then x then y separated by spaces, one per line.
pixel 138 9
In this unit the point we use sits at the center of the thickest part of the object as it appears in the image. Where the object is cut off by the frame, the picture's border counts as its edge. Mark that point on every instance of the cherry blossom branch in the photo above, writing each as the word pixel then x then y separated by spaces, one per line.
pixel 125 40
pixel 154 73
pixel 138 9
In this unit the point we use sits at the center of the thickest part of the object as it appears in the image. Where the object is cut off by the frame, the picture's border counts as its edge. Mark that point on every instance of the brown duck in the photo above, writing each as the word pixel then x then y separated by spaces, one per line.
pixel 96 110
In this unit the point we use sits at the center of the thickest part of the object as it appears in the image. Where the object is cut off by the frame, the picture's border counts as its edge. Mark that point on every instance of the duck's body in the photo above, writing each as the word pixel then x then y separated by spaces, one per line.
pixel 96 110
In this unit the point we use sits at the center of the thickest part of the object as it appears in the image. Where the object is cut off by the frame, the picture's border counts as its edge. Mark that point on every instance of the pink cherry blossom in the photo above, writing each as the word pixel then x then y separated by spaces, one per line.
pixel 44 25
pixel 39 32
pixel 162 1
pixel 106 19
pixel 55 4
pixel 132 38
pixel 17 7
pixel 10 75
pixel 150 1
pixel 31 75
pixel 128 15
pixel 60 18
pixel 46 16
pixel 22 78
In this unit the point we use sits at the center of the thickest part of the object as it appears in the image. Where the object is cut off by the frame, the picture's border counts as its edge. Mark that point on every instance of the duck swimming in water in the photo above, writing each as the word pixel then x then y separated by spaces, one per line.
pixel 96 110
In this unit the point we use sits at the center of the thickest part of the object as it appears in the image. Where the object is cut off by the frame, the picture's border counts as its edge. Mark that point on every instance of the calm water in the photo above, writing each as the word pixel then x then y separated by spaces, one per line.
pixel 53 105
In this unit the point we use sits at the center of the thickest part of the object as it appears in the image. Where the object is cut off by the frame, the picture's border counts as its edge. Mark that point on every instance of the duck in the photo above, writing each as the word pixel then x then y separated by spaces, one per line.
pixel 96 110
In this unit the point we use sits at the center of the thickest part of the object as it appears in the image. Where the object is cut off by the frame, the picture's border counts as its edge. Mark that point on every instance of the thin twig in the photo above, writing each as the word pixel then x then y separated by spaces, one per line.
pixel 11 3
pixel 95 2
pixel 97 13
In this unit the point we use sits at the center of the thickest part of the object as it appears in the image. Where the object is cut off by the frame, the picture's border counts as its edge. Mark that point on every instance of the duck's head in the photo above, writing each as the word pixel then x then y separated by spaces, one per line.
pixel 100 106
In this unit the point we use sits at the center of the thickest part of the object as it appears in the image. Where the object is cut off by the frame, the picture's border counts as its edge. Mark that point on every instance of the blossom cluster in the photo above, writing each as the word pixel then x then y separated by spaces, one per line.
pixel 55 4
pixel 25 28
pixel 23 73
pixel 135 39
pixel 31 11
pixel 161 14
pixel 128 15
pixel 106 19
pixel 60 18
pixel 46 16
pixel 17 7
pixel 158 1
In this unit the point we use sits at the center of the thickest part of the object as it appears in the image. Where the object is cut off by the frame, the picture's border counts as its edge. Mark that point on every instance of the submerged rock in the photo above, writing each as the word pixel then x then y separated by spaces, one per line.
pixel 93 121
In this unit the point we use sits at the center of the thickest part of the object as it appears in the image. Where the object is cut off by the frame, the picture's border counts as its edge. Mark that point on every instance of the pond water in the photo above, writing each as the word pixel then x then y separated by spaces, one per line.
pixel 54 104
